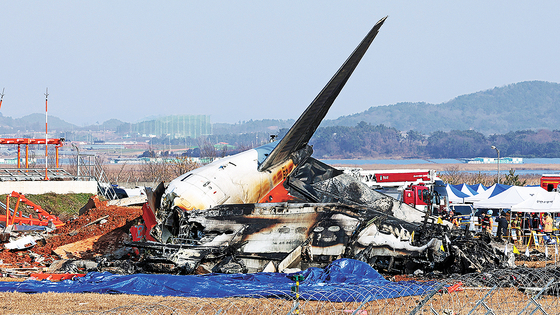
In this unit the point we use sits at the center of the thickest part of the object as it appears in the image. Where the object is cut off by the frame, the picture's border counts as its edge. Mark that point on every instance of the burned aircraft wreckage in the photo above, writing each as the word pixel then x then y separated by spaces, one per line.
pixel 275 207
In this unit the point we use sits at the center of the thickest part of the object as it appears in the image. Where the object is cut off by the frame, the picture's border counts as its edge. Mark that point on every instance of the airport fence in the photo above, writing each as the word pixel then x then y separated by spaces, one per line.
pixel 520 290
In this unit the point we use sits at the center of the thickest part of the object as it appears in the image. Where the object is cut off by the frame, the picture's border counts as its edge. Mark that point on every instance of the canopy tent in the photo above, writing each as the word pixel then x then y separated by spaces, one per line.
pixel 464 188
pixel 478 188
pixel 454 195
pixel 508 198
pixel 543 201
pixel 488 193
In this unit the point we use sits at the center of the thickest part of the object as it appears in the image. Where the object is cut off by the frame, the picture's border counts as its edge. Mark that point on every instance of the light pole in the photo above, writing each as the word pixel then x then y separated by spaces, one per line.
pixel 494 147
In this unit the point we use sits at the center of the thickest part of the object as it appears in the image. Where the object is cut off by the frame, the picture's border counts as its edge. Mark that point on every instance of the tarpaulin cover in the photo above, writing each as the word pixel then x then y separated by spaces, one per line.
pixel 342 280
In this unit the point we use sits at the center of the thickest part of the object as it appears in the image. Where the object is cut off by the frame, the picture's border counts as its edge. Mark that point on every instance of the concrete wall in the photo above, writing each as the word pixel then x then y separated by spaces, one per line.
pixel 42 187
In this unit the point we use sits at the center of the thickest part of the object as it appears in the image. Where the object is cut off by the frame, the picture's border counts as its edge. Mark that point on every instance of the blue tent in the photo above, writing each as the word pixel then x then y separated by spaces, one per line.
pixel 489 193
pixel 464 188
pixel 478 188
pixel 454 195
pixel 498 189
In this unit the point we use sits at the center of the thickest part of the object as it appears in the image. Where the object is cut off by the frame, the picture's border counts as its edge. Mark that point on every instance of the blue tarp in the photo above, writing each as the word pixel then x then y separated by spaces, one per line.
pixel 342 280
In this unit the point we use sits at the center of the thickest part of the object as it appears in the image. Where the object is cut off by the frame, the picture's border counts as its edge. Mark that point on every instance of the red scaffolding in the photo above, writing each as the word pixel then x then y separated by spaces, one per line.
pixel 27 141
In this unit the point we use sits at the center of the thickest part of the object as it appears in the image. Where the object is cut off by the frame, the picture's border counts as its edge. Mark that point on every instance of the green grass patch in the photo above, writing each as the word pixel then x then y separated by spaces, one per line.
pixel 62 205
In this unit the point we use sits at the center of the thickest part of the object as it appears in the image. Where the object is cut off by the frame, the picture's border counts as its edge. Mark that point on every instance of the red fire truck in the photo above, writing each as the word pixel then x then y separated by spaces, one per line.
pixel 549 182
pixel 417 188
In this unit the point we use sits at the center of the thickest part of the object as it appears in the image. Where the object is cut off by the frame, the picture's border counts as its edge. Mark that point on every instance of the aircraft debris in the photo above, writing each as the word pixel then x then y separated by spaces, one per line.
pixel 99 220
pixel 25 242
pixel 275 207
pixel 272 208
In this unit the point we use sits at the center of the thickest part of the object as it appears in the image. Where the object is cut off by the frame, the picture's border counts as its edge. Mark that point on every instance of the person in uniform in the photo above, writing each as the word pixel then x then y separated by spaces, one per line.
pixel 454 219
pixel 516 229
pixel 502 225
pixel 526 226
pixel 486 222
pixel 536 222
pixel 547 222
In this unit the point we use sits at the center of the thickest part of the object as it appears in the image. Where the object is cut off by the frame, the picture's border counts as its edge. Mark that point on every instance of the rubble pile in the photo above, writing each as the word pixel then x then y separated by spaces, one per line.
pixel 468 254
pixel 100 240
pixel 99 231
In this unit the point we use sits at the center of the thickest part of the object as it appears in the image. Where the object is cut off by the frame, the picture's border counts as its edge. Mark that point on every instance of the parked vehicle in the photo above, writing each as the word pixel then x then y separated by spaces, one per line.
pixel 464 212
pixel 549 182
pixel 417 188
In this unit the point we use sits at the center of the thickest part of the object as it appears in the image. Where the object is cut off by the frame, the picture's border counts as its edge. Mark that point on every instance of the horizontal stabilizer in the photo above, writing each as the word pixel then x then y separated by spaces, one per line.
pixel 298 136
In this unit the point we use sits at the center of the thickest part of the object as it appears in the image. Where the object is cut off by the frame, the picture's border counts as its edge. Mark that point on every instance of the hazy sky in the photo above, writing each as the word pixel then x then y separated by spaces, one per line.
pixel 241 60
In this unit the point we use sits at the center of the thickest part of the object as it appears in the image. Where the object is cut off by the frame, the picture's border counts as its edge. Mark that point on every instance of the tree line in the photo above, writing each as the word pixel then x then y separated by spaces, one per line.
pixel 367 141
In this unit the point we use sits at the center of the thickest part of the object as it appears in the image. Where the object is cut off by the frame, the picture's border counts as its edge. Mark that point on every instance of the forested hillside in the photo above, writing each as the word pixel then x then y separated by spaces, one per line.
pixel 368 141
pixel 525 105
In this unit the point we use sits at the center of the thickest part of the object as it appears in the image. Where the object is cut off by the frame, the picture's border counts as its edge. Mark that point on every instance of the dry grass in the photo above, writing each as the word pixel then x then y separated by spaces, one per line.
pixel 62 303
pixel 153 173
pixel 460 167
pixel 503 301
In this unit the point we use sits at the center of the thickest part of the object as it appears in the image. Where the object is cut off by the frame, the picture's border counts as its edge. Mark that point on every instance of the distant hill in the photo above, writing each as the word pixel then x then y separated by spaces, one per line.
pixel 522 106
pixel 531 105
pixel 33 122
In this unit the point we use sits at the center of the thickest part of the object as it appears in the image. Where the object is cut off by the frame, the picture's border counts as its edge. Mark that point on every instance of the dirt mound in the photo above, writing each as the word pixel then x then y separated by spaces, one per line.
pixel 109 223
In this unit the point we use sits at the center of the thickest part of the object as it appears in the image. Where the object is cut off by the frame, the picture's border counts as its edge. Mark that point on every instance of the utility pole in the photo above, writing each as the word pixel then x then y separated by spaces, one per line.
pixel 497 150
pixel 46 136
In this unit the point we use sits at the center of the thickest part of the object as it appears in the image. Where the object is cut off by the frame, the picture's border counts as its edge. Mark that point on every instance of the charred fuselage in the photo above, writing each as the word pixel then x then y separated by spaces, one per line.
pixel 275 207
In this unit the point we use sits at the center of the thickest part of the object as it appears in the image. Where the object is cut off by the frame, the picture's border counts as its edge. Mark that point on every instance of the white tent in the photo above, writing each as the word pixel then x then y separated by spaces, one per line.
pixel 508 198
pixel 454 195
pixel 488 193
pixel 544 201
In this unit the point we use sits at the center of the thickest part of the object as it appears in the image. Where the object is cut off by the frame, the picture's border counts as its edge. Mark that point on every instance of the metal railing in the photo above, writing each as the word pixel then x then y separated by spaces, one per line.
pixel 22 174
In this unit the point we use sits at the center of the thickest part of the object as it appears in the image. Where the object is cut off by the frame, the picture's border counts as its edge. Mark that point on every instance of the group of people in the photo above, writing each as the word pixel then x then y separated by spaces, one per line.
pixel 524 224
pixel 521 227
pixel 486 223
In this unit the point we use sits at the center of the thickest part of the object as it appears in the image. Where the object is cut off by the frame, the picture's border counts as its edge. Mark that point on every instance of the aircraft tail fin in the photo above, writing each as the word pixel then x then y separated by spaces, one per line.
pixel 298 136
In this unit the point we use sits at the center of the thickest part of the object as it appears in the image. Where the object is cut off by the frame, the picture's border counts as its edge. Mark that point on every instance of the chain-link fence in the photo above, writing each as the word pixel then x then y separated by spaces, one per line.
pixel 514 291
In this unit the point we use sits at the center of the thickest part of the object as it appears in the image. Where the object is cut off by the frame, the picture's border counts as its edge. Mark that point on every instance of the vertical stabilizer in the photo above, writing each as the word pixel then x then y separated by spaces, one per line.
pixel 298 136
